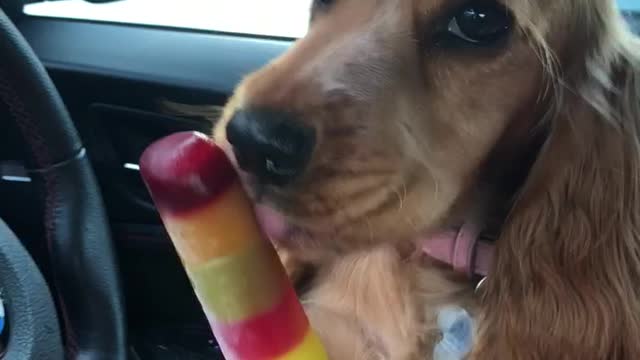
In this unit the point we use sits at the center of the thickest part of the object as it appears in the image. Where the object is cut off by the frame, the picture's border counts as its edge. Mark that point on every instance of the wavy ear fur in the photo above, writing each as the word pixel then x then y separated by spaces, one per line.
pixel 566 282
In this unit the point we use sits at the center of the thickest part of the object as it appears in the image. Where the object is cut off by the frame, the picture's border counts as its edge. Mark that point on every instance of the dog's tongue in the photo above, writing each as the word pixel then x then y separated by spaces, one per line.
pixel 273 224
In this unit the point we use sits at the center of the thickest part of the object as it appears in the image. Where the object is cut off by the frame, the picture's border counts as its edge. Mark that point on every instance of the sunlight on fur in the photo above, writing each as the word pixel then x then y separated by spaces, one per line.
pixel 527 125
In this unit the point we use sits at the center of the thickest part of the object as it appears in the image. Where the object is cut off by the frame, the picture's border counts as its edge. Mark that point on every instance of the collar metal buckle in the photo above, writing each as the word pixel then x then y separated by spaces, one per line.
pixel 480 284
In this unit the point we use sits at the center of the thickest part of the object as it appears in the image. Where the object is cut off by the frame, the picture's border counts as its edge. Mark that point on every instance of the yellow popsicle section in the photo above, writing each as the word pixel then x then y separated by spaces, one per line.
pixel 310 349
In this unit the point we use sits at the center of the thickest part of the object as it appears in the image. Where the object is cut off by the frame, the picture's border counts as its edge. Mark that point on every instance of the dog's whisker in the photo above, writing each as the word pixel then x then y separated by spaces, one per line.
pixel 398 193
pixel 413 224
pixel 436 188
pixel 401 192
pixel 403 196
pixel 370 228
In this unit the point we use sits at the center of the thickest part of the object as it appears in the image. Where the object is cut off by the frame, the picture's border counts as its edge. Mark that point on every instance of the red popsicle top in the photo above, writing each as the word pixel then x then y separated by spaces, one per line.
pixel 184 171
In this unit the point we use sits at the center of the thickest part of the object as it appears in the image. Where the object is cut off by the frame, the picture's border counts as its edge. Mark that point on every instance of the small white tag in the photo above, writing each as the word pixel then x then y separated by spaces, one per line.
pixel 457 334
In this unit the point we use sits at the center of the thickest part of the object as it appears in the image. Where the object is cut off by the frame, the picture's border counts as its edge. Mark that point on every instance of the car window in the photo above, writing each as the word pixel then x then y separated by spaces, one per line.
pixel 280 18
pixel 629 4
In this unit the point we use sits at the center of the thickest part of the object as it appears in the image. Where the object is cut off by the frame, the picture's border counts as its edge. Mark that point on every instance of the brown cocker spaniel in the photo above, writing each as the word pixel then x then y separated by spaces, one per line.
pixel 405 149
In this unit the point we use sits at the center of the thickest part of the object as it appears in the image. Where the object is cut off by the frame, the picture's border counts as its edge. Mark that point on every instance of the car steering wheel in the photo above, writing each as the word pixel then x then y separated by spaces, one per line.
pixel 82 256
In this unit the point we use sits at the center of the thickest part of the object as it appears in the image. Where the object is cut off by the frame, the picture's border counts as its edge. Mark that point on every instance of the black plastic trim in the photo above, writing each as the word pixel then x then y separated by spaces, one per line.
pixel 212 62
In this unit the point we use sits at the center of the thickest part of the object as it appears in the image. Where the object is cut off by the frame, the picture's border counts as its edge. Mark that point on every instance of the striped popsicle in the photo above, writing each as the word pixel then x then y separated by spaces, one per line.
pixel 236 274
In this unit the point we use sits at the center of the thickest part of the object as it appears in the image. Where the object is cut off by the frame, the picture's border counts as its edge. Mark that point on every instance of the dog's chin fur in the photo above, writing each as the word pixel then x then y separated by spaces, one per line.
pixel 542 133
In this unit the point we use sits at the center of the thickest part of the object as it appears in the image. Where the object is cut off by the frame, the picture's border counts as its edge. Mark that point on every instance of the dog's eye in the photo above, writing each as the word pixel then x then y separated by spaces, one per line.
pixel 477 23
pixel 320 7
pixel 322 4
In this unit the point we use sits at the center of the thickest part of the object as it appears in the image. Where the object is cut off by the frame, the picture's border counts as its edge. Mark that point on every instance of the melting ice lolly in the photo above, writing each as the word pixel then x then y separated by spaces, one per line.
pixel 241 284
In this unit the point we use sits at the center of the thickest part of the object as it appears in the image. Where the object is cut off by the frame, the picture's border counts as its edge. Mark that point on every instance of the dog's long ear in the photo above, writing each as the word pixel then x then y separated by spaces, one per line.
pixel 566 282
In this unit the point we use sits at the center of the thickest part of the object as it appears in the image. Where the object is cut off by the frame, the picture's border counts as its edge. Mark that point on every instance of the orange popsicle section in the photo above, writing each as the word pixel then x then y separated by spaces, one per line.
pixel 220 228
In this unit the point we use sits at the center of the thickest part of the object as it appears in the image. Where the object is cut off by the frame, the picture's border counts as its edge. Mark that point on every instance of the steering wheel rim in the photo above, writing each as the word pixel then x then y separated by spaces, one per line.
pixel 85 274
pixel 31 315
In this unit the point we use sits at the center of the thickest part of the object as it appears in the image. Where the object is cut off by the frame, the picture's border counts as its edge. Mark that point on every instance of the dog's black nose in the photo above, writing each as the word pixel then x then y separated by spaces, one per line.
pixel 271 145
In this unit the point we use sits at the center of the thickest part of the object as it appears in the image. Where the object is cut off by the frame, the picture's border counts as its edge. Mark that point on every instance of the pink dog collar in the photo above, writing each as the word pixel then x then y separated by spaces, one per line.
pixel 462 249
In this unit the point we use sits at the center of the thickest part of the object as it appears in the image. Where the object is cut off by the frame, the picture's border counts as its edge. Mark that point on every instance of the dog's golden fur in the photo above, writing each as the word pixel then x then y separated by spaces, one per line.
pixel 405 133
